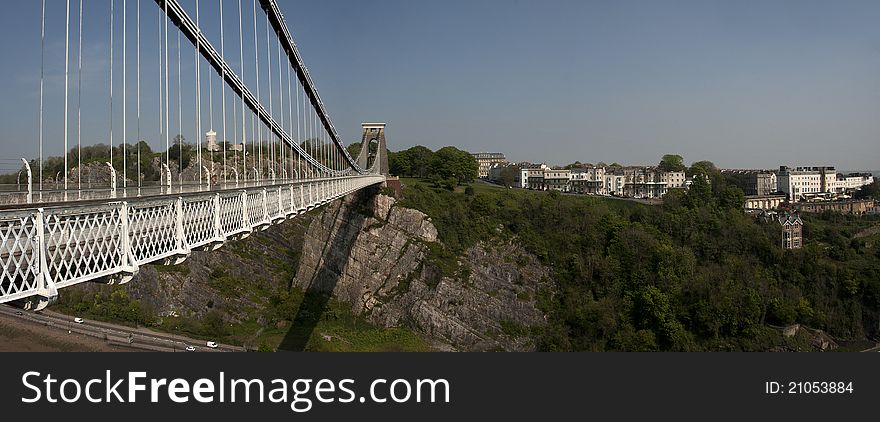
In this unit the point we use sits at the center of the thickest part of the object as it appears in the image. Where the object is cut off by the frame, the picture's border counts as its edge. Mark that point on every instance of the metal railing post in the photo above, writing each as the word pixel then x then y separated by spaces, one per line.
pixel 244 210
pixel 281 213
pixel 218 227
pixel 266 205
pixel 182 245
pixel 129 265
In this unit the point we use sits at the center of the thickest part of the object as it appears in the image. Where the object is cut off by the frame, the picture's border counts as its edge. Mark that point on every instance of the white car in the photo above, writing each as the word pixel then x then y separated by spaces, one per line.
pixel 78 320
pixel 212 344
pixel 190 348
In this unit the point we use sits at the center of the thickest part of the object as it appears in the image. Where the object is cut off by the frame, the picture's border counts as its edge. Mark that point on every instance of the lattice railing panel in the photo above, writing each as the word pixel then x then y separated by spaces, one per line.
pixel 19 255
pixel 198 221
pixel 256 208
pixel 83 244
pixel 272 203
pixel 152 230
pixel 231 218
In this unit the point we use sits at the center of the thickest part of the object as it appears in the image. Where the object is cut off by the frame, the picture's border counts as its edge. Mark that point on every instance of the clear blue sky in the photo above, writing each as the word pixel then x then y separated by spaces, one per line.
pixel 741 83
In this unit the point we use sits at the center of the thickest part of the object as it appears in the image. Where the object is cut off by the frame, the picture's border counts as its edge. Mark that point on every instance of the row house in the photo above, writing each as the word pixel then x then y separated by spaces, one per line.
pixel 645 182
pixel 635 182
pixel 803 183
pixel 588 180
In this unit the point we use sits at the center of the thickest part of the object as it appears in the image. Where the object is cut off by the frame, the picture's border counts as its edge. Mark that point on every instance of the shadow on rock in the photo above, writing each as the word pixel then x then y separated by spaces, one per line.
pixel 334 257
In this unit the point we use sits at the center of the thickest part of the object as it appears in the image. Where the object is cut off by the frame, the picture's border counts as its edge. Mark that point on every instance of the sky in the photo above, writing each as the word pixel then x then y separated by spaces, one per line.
pixel 745 84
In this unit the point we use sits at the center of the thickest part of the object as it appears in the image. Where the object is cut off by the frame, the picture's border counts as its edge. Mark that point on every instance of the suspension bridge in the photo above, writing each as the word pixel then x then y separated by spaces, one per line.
pixel 267 150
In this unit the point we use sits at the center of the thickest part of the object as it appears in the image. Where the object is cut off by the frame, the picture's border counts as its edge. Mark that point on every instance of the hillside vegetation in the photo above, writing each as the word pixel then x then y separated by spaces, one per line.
pixel 695 273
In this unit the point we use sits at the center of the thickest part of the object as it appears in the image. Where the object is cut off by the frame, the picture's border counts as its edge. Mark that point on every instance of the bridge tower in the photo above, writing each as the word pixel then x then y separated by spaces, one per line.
pixel 373 132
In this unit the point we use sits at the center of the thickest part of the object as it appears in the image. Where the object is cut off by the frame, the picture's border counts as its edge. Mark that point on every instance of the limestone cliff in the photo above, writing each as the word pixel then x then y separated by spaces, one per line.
pixel 372 255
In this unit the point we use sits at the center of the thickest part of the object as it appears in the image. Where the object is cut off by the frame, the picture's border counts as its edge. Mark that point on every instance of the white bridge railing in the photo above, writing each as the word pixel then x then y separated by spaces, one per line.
pixel 45 249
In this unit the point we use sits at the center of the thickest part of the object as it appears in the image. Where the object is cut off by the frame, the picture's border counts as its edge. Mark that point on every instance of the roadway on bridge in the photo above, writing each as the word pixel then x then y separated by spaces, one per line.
pixel 113 334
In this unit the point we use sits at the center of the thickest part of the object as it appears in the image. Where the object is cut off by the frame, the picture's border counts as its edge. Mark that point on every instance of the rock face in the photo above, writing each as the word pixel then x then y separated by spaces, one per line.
pixel 372 255
pixel 235 280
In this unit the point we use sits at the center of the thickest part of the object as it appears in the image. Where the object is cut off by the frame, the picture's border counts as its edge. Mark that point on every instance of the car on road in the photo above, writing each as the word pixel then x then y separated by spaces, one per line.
pixel 19 313
pixel 190 348
pixel 78 320
pixel 212 344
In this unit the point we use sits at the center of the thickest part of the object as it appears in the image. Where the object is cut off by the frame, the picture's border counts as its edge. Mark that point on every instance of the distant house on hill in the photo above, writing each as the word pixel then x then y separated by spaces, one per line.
pixel 792 231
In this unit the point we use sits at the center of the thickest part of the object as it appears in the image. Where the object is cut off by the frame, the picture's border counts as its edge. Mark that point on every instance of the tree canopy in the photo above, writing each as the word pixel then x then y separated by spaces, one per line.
pixel 672 162
pixel 448 164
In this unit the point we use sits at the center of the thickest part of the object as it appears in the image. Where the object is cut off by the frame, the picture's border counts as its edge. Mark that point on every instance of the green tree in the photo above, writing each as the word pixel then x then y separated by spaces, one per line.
pixel 420 158
pixel 451 163
pixel 702 167
pixel 871 191
pixel 672 162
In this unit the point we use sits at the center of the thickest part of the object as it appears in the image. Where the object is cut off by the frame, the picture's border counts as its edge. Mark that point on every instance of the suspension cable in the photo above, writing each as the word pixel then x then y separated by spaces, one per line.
pixel 124 93
pixel 42 68
pixel 180 137
pixel 66 78
pixel 79 103
pixel 167 102
pixel 270 141
pixel 111 85
pixel 223 90
pixel 198 97
pixel 243 124
pixel 257 72
pixel 138 140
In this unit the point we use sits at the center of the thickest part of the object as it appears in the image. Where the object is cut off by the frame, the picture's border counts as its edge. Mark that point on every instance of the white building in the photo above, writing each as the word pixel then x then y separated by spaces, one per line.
pixel 673 179
pixel 588 180
pixel 485 161
pixel 614 184
pixel 532 176
pixel 557 179
pixel 855 181
pixel 800 181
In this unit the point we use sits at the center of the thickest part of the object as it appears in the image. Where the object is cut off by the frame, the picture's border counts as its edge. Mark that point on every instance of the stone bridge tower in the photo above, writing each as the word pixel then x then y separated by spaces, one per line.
pixel 373 133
